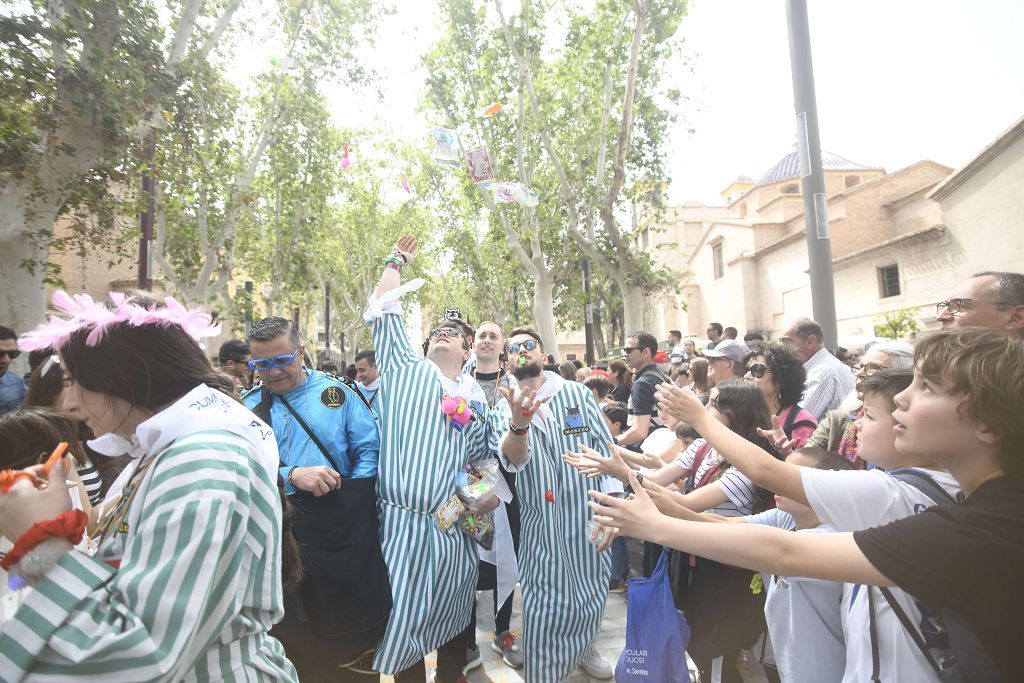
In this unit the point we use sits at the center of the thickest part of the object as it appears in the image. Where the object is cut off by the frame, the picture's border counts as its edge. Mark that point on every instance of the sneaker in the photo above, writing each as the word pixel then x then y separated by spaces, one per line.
pixel 595 665
pixel 505 645
pixel 617 586
pixel 473 660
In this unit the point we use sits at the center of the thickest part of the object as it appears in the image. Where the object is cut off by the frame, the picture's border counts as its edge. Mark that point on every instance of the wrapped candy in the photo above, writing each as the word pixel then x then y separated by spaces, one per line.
pixel 479 527
pixel 449 513
pixel 445 141
pixel 512 192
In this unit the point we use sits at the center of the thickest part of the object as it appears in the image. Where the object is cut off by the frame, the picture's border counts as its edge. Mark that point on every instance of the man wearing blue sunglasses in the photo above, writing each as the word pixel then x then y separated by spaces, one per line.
pixel 329 445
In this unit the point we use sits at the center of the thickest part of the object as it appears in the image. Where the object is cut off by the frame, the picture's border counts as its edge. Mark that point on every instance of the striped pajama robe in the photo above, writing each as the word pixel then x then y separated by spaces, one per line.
pixel 564 580
pixel 199 583
pixel 433 574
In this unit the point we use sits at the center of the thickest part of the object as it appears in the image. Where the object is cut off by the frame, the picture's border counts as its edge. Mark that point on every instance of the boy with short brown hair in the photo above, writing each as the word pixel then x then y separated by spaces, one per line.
pixel 961 412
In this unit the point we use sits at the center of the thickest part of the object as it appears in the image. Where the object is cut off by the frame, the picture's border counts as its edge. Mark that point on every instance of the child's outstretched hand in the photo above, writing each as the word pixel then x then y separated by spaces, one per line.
pixel 593 464
pixel 632 516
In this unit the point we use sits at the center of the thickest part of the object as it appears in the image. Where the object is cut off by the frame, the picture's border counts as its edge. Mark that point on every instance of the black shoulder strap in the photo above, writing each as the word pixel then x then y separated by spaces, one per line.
pixel 911 630
pixel 309 431
pixel 874 637
pixel 924 483
pixel 344 379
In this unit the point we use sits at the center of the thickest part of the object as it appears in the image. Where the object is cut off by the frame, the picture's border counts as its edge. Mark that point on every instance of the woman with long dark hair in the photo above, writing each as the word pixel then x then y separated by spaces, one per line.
pixel 182 578
pixel 724 614
pixel 622 380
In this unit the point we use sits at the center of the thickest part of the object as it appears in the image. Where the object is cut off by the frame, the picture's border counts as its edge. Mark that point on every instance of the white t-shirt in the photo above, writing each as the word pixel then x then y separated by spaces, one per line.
pixel 803 617
pixel 851 501
pixel 739 490
pixel 658 441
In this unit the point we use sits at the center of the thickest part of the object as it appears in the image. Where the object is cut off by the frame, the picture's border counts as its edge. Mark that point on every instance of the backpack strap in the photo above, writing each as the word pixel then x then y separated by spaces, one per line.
pixel 655 372
pixel 911 630
pixel 926 484
pixel 875 665
pixel 698 458
pixel 790 423
pixel 309 432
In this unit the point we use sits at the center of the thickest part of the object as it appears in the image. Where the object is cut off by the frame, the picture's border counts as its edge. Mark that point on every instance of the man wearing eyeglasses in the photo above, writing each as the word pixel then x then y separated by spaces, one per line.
pixel 328 445
pixel 994 300
pixel 12 388
pixel 433 566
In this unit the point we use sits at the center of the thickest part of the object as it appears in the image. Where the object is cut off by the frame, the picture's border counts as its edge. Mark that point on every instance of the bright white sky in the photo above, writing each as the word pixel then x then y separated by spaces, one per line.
pixel 897 81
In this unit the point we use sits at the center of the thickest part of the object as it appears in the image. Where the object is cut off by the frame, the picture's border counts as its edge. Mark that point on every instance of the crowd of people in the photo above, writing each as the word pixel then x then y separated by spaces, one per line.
pixel 255 517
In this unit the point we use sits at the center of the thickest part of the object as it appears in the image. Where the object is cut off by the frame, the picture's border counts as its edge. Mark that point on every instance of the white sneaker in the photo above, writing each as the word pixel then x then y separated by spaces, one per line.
pixel 595 665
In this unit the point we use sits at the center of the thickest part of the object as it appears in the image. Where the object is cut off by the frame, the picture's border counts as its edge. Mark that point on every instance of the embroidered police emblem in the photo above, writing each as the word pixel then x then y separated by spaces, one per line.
pixel 452 313
pixel 574 421
pixel 332 397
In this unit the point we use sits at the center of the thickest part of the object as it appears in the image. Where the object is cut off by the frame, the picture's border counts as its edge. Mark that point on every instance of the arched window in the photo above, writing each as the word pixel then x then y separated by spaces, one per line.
pixel 791 189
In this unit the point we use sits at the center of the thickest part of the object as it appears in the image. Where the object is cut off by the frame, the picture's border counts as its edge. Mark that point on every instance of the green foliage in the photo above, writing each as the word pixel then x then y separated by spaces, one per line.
pixel 897 324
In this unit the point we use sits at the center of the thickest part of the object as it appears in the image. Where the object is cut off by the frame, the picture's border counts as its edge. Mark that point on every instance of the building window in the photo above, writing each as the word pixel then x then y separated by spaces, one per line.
pixel 570 356
pixel 743 210
pixel 791 189
pixel 889 281
pixel 716 257
pixel 852 180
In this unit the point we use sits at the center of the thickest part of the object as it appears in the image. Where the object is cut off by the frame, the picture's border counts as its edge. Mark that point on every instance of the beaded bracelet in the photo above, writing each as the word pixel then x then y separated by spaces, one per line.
pixel 519 430
pixel 397 254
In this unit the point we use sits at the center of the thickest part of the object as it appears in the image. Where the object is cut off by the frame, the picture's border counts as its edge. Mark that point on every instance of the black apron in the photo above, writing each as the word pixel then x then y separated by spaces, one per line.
pixel 345 592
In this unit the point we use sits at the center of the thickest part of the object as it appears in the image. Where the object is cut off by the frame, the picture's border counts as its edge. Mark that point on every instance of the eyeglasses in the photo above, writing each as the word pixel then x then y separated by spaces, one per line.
pixel 11 354
pixel 275 362
pixel 868 368
pixel 960 305
pixel 449 332
pixel 527 345
pixel 757 370
pixel 626 350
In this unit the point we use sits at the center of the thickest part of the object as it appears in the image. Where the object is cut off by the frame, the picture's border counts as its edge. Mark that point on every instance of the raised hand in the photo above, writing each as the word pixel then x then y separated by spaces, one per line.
pixel 593 464
pixel 407 246
pixel 777 436
pixel 523 403
pixel 681 403
pixel 632 516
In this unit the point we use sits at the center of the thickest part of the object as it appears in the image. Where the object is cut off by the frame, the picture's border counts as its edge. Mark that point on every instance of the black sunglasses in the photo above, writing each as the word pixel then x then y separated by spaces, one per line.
pixel 11 354
pixel 757 370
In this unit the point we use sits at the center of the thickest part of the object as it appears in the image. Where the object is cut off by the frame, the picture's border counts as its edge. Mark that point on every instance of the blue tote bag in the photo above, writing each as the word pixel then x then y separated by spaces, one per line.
pixel 656 634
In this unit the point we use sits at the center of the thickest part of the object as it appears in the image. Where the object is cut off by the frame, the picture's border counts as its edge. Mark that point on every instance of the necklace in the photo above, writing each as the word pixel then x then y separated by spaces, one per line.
pixel 493 398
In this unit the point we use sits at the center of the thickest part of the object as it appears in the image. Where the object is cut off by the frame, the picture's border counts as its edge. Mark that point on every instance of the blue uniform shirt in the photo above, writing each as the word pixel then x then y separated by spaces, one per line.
pixel 12 392
pixel 338 417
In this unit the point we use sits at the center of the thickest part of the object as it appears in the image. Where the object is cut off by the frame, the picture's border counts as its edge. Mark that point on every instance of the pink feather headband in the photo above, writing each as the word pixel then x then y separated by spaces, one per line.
pixel 98 317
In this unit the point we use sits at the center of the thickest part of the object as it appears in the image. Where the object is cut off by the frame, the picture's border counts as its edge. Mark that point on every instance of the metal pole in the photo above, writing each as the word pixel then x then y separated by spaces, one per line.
pixel 819 247
pixel 146 217
pixel 248 306
pixel 327 318
pixel 588 309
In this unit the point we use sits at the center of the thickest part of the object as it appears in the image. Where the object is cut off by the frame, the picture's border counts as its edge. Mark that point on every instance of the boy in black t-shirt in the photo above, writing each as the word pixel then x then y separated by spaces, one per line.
pixel 963 412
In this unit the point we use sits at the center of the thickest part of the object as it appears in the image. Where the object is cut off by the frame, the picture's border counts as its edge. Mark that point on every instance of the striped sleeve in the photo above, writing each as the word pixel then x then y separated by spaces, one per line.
pixel 202 518
pixel 391 343
pixel 738 488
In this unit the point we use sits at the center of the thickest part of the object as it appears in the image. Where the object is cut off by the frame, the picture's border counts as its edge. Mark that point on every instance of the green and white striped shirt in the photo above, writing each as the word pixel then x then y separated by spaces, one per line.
pixel 563 578
pixel 433 573
pixel 199 581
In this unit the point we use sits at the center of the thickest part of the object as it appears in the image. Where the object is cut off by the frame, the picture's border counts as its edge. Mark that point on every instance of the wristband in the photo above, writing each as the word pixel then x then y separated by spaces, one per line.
pixel 290 473
pixel 519 431
pixel 393 266
pixel 639 477
pixel 397 254
pixel 68 525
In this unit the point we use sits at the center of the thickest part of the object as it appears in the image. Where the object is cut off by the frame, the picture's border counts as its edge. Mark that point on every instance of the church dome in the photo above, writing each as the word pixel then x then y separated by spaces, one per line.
pixel 788 167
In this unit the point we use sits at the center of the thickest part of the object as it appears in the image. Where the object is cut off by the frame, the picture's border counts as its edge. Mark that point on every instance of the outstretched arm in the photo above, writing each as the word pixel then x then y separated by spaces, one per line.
pixel 834 557
pixel 391 278
pixel 761 467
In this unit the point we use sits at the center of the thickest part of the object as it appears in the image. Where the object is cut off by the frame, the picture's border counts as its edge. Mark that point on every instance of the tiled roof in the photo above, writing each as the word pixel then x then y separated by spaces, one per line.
pixel 789 167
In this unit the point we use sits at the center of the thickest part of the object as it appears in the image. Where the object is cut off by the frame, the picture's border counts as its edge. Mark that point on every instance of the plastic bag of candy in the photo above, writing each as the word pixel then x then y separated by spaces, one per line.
pixel 475 485
pixel 449 513
pixel 479 527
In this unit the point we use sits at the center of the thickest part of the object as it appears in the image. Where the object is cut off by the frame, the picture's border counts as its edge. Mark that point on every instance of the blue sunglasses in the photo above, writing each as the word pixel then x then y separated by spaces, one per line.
pixel 529 345
pixel 275 362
